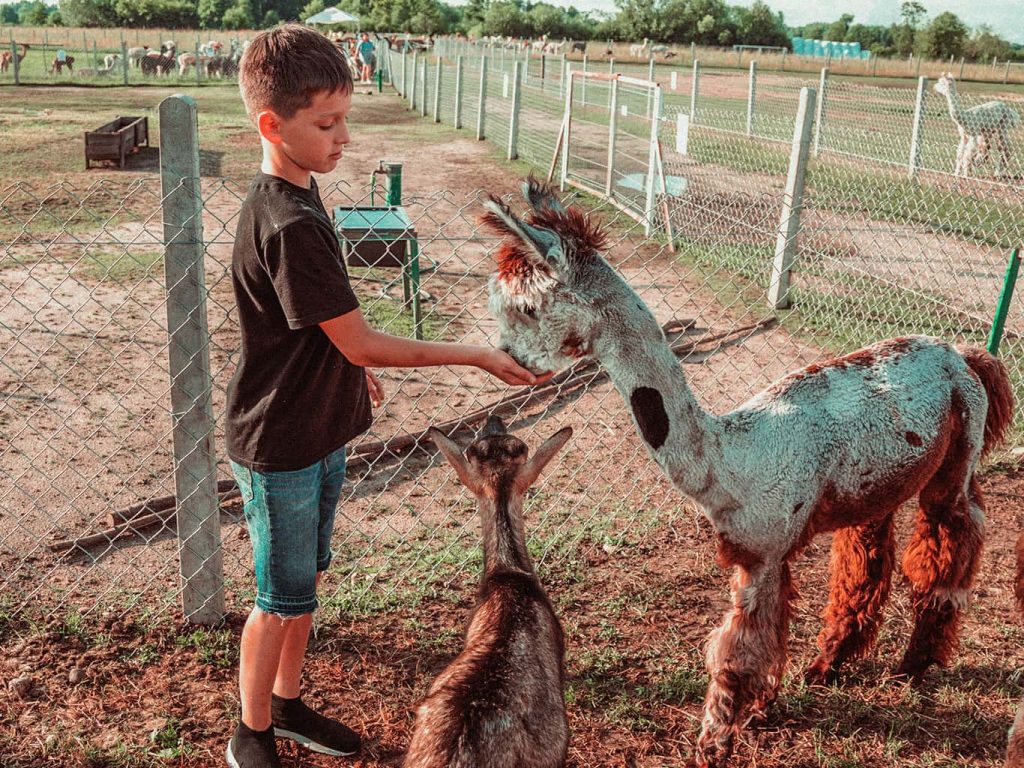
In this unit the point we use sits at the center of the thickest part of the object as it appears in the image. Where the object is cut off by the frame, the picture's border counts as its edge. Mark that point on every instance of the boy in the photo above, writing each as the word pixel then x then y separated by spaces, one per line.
pixel 300 392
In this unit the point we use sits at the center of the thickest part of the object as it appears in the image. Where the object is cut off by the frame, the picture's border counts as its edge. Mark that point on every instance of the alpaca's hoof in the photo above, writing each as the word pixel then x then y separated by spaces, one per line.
pixel 912 671
pixel 820 673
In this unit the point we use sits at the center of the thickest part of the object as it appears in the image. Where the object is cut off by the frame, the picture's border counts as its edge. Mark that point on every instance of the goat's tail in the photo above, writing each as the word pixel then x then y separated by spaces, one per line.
pixel 992 372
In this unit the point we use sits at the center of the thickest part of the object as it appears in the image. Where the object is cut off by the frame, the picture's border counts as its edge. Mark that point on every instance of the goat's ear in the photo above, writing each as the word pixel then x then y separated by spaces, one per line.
pixel 536 243
pixel 547 450
pixel 456 458
pixel 540 196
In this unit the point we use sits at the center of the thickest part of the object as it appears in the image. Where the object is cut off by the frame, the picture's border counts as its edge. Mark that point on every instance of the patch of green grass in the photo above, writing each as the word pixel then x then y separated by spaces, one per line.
pixel 121 266
pixel 217 647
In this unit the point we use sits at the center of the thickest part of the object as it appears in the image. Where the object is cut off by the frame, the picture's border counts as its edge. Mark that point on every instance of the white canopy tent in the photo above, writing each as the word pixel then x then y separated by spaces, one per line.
pixel 332 15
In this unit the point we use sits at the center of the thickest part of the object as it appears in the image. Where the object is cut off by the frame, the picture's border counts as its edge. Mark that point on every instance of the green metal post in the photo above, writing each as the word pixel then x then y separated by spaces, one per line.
pixel 380 80
pixel 995 335
pixel 411 271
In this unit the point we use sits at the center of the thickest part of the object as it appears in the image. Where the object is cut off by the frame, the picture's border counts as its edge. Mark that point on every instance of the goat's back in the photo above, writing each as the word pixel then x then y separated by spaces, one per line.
pixel 500 703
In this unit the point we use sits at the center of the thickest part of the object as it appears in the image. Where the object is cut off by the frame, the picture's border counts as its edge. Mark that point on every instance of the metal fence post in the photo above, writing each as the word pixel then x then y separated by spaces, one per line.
pixel 751 97
pixel 792 202
pixel 611 71
pixel 457 119
pixel 124 60
pixel 198 67
pixel 17 62
pixel 914 163
pixel 694 90
pixel 819 115
pixel 405 75
pixel 513 126
pixel 437 90
pixel 481 106
pixel 995 333
pixel 195 466
pixel 613 109
pixel 652 162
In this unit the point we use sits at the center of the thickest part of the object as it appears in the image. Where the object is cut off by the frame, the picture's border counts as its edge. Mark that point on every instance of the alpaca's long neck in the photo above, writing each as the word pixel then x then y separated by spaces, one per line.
pixel 503 537
pixel 679 434
pixel 955 110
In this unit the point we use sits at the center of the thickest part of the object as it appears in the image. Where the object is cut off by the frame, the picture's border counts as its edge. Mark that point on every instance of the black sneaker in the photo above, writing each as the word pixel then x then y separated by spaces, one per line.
pixel 294 720
pixel 253 749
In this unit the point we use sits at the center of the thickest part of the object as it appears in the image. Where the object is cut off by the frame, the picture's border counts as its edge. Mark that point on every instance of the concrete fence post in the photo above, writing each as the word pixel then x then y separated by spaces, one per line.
pixel 751 97
pixel 694 90
pixel 583 84
pixel 124 60
pixel 481 105
pixel 457 119
pixel 566 137
pixel 423 89
pixel 513 125
pixel 650 77
pixel 437 89
pixel 195 467
pixel 819 114
pixel 792 203
pixel 613 110
pixel 415 79
pixel 16 61
pixel 652 162
pixel 916 136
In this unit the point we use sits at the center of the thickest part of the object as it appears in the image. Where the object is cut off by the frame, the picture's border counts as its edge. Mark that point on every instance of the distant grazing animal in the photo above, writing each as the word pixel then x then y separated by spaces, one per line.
pixel 501 702
pixel 159 63
pixel 57 66
pixel 6 57
pixel 110 60
pixel 579 46
pixel 979 127
pixel 659 48
pixel 135 54
pixel 639 49
pixel 834 447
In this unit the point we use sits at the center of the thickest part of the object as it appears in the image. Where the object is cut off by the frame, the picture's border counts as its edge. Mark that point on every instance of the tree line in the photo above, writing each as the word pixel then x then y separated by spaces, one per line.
pixel 680 22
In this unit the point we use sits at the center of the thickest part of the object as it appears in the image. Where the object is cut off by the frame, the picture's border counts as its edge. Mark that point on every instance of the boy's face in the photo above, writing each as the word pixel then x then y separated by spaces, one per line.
pixel 312 139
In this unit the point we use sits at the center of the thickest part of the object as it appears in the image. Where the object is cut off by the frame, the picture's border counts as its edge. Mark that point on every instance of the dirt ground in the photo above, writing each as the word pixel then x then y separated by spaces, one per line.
pixel 113 679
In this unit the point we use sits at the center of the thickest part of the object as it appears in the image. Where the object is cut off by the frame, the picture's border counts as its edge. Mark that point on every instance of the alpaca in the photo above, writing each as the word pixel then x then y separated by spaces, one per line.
pixel 660 48
pixel 636 50
pixel 1015 748
pixel 58 64
pixel 579 46
pixel 833 447
pixel 159 63
pixel 500 703
pixel 135 55
pixel 978 127
pixel 6 57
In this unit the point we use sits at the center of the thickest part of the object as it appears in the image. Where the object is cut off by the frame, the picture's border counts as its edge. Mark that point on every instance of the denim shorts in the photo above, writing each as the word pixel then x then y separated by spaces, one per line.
pixel 290 517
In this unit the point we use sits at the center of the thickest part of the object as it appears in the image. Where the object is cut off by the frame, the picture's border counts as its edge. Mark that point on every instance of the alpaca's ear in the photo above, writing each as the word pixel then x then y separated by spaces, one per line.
pixel 547 450
pixel 540 196
pixel 456 458
pixel 538 243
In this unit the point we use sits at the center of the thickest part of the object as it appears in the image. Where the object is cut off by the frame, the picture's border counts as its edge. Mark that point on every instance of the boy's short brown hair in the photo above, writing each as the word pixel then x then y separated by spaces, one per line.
pixel 283 68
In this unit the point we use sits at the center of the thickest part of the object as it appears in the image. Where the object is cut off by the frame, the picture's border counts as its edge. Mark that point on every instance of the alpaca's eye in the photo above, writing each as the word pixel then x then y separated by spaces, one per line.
pixel 530 312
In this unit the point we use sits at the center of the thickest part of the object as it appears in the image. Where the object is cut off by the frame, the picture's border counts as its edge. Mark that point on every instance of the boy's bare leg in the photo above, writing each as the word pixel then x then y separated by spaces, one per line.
pixel 270 661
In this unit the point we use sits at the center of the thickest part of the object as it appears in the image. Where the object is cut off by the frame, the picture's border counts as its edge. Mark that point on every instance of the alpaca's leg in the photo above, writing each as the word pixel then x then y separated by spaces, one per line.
pixel 961 147
pixel 862 562
pixel 941 562
pixel 745 658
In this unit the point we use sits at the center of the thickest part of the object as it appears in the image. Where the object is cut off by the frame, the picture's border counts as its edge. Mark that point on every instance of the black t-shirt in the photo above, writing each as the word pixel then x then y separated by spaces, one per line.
pixel 294 397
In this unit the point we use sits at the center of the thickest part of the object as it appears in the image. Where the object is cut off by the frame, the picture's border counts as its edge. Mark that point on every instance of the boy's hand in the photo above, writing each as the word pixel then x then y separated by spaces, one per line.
pixel 375 388
pixel 503 366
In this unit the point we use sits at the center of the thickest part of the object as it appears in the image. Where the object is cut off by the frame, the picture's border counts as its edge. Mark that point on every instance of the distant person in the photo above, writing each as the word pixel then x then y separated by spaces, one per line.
pixel 367 57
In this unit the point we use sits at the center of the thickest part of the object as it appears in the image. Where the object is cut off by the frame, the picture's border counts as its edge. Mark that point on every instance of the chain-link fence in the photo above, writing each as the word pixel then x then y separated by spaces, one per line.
pixel 87 412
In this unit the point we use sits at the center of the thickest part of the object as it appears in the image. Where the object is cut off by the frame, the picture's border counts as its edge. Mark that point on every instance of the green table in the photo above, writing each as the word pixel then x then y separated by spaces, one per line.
pixel 383 236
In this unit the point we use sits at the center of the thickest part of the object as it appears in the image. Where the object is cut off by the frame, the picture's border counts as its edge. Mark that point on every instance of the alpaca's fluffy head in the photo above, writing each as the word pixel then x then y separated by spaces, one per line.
pixel 944 84
pixel 553 295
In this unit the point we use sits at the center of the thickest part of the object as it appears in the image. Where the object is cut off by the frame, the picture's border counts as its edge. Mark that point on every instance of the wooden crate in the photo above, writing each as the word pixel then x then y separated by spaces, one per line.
pixel 116 140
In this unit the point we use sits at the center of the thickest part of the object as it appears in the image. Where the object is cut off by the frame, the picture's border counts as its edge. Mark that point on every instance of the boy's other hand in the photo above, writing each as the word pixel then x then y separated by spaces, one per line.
pixel 503 366
pixel 375 388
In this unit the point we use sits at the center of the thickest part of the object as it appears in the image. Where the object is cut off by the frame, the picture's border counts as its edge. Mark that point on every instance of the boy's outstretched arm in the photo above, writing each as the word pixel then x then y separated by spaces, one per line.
pixel 370 348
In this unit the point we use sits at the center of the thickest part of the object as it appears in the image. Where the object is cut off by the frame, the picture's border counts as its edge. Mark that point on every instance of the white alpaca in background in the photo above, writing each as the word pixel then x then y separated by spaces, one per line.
pixel 637 50
pixel 979 127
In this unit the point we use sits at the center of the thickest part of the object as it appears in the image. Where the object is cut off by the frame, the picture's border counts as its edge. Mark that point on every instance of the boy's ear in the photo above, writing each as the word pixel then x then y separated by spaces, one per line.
pixel 269 126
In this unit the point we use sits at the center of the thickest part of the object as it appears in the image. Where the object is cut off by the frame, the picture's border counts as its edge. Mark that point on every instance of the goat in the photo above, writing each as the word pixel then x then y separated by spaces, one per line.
pixel 500 703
